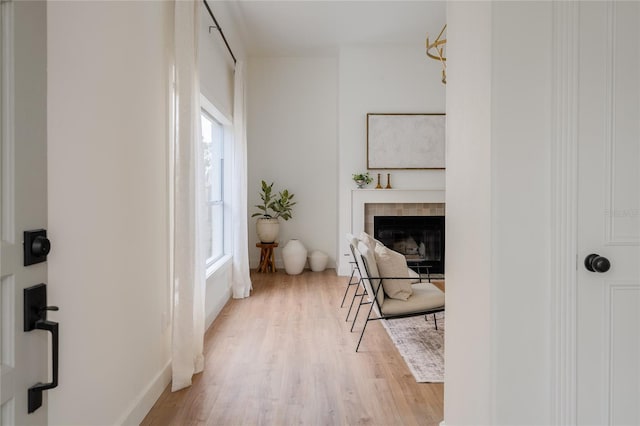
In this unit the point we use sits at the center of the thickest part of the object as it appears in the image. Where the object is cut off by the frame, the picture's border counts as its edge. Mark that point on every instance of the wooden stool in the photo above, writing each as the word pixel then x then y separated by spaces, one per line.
pixel 267 263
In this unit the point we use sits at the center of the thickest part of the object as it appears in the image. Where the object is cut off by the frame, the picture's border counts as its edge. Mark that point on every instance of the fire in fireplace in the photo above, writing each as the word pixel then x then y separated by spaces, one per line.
pixel 419 238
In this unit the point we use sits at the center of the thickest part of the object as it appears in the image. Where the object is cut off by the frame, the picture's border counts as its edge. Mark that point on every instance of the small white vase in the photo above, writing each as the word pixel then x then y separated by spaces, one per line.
pixel 294 256
pixel 267 229
pixel 318 261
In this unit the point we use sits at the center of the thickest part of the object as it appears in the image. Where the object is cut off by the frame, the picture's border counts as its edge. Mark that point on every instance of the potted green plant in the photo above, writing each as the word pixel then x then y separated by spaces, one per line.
pixel 362 179
pixel 273 208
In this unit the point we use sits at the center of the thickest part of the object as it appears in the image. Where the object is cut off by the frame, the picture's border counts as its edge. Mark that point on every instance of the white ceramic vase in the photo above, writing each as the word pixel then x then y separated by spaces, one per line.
pixel 267 229
pixel 294 256
pixel 318 261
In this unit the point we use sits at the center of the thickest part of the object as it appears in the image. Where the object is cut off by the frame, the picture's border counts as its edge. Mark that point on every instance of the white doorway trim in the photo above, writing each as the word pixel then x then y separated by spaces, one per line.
pixel 564 213
pixel 7 223
pixel 7 111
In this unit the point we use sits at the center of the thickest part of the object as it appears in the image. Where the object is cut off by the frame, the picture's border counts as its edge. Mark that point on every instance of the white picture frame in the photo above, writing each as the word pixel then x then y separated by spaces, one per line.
pixel 405 141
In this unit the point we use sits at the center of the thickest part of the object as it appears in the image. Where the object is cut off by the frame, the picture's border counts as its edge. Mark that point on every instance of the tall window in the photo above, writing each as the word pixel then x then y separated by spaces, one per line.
pixel 213 141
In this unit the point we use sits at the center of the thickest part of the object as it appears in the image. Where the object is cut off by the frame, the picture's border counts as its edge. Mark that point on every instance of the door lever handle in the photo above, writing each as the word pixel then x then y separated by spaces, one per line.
pixel 35 391
pixel 35 318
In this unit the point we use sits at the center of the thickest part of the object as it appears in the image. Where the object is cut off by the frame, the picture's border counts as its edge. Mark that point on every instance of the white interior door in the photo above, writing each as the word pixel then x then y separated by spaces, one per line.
pixel 23 199
pixel 608 353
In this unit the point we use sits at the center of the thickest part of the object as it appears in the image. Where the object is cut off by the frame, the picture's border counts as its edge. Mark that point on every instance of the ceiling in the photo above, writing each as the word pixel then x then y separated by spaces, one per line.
pixel 299 27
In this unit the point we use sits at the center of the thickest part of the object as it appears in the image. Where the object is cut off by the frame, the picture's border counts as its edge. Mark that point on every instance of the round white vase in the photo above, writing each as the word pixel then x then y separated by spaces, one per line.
pixel 294 256
pixel 318 261
pixel 267 229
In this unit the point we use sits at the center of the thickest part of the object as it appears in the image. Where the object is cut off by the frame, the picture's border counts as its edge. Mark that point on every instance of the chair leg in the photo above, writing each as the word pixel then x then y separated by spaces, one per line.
pixel 355 294
pixel 435 320
pixel 349 284
pixel 355 318
pixel 365 326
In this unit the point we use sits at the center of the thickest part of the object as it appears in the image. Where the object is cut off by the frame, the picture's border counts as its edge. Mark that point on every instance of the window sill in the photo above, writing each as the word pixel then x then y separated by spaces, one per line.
pixel 218 264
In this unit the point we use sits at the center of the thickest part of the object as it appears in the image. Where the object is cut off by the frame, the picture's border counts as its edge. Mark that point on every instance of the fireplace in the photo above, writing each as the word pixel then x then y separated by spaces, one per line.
pixel 419 238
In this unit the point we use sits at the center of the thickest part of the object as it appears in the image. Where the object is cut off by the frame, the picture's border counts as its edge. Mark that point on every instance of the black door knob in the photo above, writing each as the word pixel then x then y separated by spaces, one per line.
pixel 36 246
pixel 40 246
pixel 596 263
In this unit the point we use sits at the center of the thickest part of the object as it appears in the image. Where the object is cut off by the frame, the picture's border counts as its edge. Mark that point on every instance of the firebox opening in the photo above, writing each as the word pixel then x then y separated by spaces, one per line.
pixel 419 238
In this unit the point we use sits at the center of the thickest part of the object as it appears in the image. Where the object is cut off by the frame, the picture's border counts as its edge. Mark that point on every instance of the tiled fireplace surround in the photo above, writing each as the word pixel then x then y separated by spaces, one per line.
pixel 366 203
pixel 399 209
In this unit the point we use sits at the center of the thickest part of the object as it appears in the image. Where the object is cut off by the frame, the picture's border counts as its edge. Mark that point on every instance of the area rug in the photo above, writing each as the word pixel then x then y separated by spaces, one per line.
pixel 421 345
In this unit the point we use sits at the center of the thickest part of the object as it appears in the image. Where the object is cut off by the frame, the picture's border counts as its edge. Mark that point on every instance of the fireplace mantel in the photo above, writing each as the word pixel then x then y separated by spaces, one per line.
pixel 360 197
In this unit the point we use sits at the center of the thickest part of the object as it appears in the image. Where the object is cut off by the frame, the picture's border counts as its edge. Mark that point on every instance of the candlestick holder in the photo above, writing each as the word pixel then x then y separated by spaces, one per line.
pixel 378 186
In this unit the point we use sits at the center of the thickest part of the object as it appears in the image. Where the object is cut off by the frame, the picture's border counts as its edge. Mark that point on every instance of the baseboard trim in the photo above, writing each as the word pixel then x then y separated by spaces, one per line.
pixel 142 405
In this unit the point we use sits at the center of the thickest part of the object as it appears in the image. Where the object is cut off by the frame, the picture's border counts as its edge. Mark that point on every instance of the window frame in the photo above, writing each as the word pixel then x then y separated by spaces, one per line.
pixel 209 109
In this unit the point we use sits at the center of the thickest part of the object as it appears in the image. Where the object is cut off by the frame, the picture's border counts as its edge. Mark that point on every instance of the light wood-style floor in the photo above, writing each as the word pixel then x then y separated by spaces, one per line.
pixel 285 356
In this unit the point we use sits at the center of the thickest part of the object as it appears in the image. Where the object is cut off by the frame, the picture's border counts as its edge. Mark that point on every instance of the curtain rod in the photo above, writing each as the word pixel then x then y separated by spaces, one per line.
pixel 217 26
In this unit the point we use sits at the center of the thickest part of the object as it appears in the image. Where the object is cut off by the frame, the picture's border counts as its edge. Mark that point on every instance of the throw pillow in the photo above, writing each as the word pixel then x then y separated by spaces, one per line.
pixel 368 240
pixel 371 284
pixel 415 277
pixel 393 264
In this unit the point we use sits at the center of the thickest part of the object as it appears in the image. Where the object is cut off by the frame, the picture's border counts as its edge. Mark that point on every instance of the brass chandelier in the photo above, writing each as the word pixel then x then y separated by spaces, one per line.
pixel 435 50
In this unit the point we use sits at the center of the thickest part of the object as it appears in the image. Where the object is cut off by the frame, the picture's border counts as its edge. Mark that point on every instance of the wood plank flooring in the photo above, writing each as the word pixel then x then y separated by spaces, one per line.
pixel 285 356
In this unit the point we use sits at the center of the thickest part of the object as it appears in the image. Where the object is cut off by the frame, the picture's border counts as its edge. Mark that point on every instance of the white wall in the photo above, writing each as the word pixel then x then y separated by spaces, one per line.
pixel 307 132
pixel 108 160
pixel 108 138
pixel 215 62
pixel 292 141
pixel 468 392
pixel 521 203
pixel 217 292
pixel 498 213
pixel 381 79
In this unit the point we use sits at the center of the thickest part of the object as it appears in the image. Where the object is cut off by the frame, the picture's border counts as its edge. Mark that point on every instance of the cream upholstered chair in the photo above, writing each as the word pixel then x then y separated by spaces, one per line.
pixel 353 243
pixel 425 297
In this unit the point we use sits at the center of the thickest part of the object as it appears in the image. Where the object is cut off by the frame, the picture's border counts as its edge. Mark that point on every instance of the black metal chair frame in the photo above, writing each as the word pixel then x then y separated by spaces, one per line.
pixel 356 294
pixel 374 300
pixel 354 267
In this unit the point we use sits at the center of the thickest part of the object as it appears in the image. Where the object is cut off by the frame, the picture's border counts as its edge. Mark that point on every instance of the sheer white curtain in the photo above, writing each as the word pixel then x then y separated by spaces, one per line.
pixel 241 285
pixel 189 261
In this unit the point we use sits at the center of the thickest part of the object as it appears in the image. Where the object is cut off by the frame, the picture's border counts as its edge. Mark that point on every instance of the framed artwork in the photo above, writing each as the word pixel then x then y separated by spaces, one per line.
pixel 405 141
